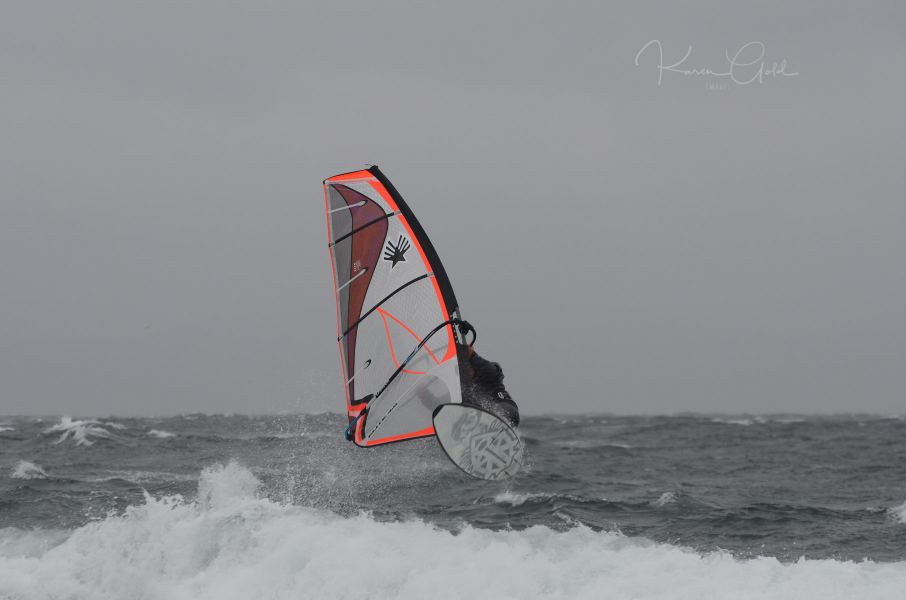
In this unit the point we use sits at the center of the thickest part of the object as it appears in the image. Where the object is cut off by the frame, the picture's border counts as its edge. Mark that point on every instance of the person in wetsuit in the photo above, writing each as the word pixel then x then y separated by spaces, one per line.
pixel 487 389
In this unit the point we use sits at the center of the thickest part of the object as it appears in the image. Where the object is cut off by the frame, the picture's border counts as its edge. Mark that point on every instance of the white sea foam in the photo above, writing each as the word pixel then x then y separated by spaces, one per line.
pixel 517 499
pixel 899 513
pixel 743 422
pixel 158 433
pixel 665 499
pixel 19 543
pixel 3 428
pixel 746 421
pixel 233 544
pixel 28 470
pixel 82 431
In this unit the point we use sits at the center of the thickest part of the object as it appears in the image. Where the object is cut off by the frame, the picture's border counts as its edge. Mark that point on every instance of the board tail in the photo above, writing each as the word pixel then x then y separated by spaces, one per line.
pixel 478 442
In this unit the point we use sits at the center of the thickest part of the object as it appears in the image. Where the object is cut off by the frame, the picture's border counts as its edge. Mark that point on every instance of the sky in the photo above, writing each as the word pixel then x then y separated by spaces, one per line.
pixel 626 239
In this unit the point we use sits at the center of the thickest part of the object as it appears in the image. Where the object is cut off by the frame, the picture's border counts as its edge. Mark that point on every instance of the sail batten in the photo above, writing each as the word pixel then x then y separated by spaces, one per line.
pixel 390 295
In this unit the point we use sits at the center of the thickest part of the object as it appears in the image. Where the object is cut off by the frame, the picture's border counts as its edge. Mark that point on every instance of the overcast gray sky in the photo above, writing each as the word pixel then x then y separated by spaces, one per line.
pixel 620 245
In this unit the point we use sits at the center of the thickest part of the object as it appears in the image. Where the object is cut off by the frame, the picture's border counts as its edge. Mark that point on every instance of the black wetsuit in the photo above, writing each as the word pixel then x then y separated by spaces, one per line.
pixel 488 391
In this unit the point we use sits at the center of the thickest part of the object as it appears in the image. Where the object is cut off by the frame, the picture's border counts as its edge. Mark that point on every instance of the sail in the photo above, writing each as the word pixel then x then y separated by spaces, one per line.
pixel 398 348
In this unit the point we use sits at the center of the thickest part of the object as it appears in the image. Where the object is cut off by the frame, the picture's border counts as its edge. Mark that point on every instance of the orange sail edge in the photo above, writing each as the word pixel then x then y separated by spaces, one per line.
pixel 426 432
pixel 351 175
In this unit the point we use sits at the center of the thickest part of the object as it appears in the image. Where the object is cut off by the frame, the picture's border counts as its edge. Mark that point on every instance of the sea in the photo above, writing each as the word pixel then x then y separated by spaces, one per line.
pixel 281 507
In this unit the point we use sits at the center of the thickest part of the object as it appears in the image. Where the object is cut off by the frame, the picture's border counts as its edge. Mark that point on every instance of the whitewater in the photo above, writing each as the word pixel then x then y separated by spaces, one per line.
pixel 231 543
pixel 280 507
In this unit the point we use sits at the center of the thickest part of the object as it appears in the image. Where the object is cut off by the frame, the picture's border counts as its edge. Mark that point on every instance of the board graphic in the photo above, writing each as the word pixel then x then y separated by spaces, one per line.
pixel 478 442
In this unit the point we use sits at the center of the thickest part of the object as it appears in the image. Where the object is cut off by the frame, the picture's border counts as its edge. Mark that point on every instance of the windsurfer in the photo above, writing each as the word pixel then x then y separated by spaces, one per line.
pixel 488 391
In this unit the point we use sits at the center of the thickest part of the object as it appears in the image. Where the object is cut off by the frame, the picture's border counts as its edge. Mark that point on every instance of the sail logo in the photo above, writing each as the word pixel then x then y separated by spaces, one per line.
pixel 396 252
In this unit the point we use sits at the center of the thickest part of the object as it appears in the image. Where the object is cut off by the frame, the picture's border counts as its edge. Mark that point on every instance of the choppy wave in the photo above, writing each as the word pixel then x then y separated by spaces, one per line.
pixel 747 421
pixel 142 477
pixel 3 428
pixel 899 513
pixel 517 499
pixel 514 499
pixel 27 470
pixel 592 444
pixel 83 432
pixel 232 543
pixel 665 499
pixel 741 421
pixel 157 433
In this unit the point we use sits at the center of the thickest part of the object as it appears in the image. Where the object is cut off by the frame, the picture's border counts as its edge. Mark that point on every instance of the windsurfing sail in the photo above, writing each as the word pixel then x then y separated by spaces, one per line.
pixel 396 312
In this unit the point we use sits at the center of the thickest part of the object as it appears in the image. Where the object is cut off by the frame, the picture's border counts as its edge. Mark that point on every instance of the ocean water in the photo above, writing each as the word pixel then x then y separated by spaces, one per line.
pixel 680 507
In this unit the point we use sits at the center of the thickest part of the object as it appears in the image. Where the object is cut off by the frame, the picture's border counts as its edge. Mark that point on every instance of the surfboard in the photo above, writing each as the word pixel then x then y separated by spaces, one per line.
pixel 478 442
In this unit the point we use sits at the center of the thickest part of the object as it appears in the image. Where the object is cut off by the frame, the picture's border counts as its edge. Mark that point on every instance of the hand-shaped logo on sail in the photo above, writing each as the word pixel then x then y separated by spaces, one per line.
pixel 396 252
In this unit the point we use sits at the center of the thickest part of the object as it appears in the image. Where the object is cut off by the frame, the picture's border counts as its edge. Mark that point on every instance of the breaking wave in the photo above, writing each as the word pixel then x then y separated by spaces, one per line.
pixel 83 433
pixel 747 421
pixel 665 499
pixel 232 543
pixel 899 513
pixel 27 470
pixel 743 422
pixel 157 433
pixel 517 499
